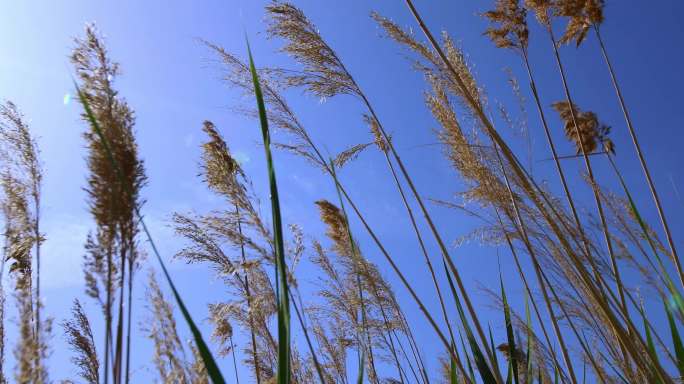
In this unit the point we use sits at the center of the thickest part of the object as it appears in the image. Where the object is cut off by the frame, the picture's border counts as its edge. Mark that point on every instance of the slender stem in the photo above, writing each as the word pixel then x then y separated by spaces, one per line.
pixel 108 312
pixel 526 184
pixel 232 352
pixel 123 254
pixel 129 320
pixel 403 351
pixel 642 160
pixel 552 147
pixel 312 350
pixel 401 276
pixel 428 219
pixel 36 228
pixel 529 290
pixel 521 227
pixel 255 355
pixel 587 164
pixel 433 276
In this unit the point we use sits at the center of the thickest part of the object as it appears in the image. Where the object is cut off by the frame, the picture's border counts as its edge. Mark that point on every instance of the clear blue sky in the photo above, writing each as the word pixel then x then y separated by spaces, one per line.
pixel 172 86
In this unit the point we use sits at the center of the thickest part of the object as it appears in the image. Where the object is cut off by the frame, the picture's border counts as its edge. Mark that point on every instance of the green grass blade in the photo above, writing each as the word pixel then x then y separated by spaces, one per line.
pixel 471 372
pixel 650 345
pixel 676 340
pixel 491 342
pixel 282 292
pixel 676 298
pixel 208 359
pixel 509 332
pixel 556 376
pixel 480 361
pixel 509 373
pixel 362 365
pixel 453 375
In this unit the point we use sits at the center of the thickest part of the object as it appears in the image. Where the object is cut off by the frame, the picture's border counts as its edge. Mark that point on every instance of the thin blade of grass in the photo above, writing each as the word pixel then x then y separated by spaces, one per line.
pixel 207 357
pixel 453 376
pixel 362 364
pixel 509 372
pixel 282 292
pixel 676 340
pixel 491 341
pixel 480 362
pixel 471 372
pixel 509 331
pixel 650 344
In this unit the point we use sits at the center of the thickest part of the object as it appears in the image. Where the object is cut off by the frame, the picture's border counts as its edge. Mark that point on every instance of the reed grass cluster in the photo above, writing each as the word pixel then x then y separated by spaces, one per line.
pixel 584 317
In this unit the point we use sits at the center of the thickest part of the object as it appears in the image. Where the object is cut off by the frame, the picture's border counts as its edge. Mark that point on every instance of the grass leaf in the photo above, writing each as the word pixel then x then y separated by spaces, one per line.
pixel 509 331
pixel 676 340
pixel 480 361
pixel 282 291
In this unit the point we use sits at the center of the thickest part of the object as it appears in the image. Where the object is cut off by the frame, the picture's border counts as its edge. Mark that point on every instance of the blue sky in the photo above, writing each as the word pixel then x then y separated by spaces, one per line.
pixel 171 83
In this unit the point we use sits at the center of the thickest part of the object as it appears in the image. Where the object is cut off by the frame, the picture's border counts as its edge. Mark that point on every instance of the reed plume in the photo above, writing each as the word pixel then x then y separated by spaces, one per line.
pixel 114 193
pixel 173 366
pixel 592 134
pixel 240 228
pixel 20 152
pixel 80 338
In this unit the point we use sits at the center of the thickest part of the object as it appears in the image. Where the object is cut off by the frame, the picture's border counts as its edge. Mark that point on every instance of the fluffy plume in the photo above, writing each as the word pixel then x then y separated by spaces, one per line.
pixel 591 132
pixel 324 74
pixel 582 15
pixel 379 140
pixel 542 10
pixel 236 73
pixel 116 177
pixel 219 167
pixel 511 30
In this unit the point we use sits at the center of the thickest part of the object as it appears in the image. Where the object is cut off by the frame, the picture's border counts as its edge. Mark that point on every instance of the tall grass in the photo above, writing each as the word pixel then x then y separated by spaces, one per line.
pixel 583 320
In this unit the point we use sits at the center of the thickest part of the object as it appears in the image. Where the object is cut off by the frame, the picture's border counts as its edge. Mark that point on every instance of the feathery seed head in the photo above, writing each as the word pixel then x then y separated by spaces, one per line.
pixel 582 15
pixel 591 132
pixel 220 168
pixel 375 130
pixel 332 216
pixel 542 10
pixel 512 29
pixel 324 74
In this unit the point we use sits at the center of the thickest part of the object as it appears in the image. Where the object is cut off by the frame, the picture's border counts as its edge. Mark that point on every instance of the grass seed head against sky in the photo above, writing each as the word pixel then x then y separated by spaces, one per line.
pixel 173 83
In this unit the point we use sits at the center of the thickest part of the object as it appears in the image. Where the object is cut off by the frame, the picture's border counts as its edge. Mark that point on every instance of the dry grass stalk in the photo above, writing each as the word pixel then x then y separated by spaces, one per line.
pixel 281 115
pixel 290 24
pixel 532 191
pixel 358 285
